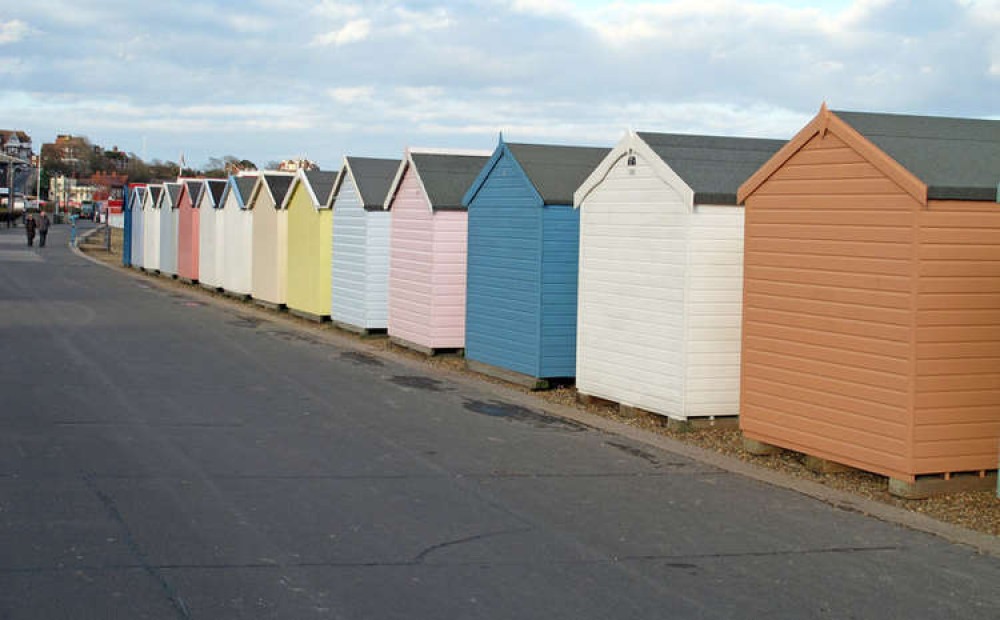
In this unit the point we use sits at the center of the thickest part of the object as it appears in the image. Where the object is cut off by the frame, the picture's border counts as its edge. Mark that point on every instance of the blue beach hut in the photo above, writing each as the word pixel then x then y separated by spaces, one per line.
pixel 523 246
pixel 127 227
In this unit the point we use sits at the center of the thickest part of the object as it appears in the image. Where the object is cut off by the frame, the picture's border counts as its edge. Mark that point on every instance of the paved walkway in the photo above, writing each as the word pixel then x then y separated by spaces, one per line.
pixel 163 458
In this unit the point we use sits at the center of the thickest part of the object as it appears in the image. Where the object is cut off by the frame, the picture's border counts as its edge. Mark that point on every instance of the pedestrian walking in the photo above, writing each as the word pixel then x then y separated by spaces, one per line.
pixel 43 228
pixel 29 228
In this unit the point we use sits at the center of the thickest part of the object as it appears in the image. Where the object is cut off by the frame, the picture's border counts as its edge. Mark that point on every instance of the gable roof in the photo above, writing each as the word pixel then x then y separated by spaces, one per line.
pixel 712 166
pixel 372 178
pixel 155 191
pixel 139 193
pixel 443 175
pixel 277 185
pixel 929 157
pixel 555 171
pixel 318 185
pixel 194 187
pixel 173 192
pixel 957 158
pixel 240 187
pixel 216 189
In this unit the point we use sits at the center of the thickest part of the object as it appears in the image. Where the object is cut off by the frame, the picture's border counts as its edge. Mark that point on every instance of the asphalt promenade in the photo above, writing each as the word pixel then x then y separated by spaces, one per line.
pixel 162 457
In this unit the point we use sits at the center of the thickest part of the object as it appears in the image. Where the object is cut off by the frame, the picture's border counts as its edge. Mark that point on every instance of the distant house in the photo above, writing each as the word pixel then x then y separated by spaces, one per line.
pixel 427 247
pixel 16 143
pixel 237 236
pixel 310 230
pixel 210 233
pixel 522 269
pixel 360 261
pixel 270 238
pixel 660 286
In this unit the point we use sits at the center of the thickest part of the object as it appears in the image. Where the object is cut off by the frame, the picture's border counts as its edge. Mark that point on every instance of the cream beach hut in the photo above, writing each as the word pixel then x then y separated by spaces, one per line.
pixel 269 251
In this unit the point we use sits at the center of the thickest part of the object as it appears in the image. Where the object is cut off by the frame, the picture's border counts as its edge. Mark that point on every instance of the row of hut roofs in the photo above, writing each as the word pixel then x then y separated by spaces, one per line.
pixel 850 311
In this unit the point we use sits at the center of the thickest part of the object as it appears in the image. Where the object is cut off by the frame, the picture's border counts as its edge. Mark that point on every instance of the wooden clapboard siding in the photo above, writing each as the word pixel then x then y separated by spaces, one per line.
pixel 827 356
pixel 714 301
pixel 237 272
pixel 187 236
pixel 957 416
pixel 504 271
pixel 269 252
pixel 308 263
pixel 167 228
pixel 377 229
pixel 411 250
pixel 448 279
pixel 349 270
pixel 633 259
pixel 138 233
pixel 559 280
pixel 207 240
pixel 150 235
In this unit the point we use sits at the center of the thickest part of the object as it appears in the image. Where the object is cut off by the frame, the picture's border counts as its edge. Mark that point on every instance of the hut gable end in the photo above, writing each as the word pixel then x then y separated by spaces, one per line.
pixel 828 297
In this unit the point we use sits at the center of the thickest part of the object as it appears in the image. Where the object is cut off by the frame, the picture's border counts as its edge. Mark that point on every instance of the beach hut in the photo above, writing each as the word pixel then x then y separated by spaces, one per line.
pixel 427 248
pixel 660 273
pixel 360 261
pixel 872 298
pixel 136 204
pixel 210 237
pixel 310 231
pixel 520 317
pixel 188 237
pixel 269 251
pixel 168 222
pixel 237 236
pixel 151 228
pixel 126 226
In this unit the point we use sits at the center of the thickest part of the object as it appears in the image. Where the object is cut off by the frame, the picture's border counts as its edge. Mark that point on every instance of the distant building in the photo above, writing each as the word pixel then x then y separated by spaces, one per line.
pixel 61 189
pixel 294 165
pixel 67 148
pixel 15 143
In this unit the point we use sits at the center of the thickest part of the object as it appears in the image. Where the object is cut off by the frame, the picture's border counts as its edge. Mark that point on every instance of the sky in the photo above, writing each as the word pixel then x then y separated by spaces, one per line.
pixel 273 79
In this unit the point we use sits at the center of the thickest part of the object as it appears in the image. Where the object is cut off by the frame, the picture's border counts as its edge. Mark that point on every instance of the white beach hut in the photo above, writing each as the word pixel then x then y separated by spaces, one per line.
pixel 660 280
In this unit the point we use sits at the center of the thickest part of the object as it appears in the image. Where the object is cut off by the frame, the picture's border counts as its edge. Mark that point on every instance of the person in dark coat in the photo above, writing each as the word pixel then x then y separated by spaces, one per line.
pixel 29 228
pixel 43 228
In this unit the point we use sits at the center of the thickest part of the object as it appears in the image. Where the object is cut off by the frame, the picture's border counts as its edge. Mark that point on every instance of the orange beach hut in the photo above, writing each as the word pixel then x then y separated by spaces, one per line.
pixel 871 312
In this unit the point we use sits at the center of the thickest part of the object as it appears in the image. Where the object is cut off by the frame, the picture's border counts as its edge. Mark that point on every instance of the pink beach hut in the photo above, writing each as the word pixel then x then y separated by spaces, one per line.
pixel 427 248
pixel 187 229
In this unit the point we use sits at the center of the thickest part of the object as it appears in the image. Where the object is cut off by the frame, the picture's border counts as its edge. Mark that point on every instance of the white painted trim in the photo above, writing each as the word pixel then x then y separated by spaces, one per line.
pixel 632 142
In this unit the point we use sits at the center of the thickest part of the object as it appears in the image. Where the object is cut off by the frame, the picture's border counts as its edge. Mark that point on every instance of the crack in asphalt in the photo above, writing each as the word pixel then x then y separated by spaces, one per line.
pixel 133 546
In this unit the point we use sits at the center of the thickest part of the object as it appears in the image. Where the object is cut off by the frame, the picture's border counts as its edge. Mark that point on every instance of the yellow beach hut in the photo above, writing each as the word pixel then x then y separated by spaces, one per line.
pixel 310 243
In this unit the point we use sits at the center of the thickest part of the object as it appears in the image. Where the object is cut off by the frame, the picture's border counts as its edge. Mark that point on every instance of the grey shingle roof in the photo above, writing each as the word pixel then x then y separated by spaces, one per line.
pixel 374 178
pixel 322 184
pixel 154 193
pixel 216 190
pixel 278 184
pixel 556 171
pixel 957 158
pixel 447 177
pixel 245 185
pixel 194 188
pixel 140 195
pixel 713 166
pixel 174 192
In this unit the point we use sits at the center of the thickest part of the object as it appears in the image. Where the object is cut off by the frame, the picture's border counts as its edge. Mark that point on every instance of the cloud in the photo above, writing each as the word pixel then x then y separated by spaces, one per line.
pixel 351 94
pixel 13 31
pixel 351 32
